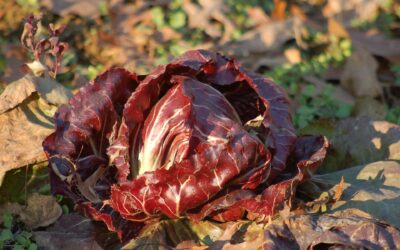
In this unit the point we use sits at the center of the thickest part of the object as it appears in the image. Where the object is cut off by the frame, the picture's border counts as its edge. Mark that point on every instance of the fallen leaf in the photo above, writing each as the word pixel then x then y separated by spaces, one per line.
pixel 339 190
pixel 51 91
pixel 206 229
pixel 359 76
pixel 268 37
pixel 356 141
pixel 22 131
pixel 15 57
pixel 41 211
pixel 293 55
pixel 15 93
pixel 368 106
pixel 201 14
pixel 376 44
pixel 348 10
pixel 165 234
pixel 336 28
pixel 188 244
pixel 373 188
pixel 348 229
pixel 279 11
pixel 88 9
pixel 74 231
pixel 26 118
pixel 262 45
pixel 258 16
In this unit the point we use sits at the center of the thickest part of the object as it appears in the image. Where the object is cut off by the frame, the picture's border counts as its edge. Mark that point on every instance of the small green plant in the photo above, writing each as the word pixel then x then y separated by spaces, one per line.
pixel 396 70
pixel 393 115
pixel 314 105
pixel 14 236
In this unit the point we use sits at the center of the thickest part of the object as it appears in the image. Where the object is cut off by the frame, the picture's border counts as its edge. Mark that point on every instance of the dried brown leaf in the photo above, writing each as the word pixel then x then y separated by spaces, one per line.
pixel 163 235
pixel 357 141
pixel 368 106
pixel 377 44
pixel 88 9
pixel 359 76
pixel 26 113
pixel 337 29
pixel 348 10
pixel 201 15
pixel 15 57
pixel 373 188
pixel 258 16
pixel 41 210
pixel 16 93
pixel 22 131
pixel 279 11
pixel 349 229
pixel 261 46
pixel 339 190
pixel 73 231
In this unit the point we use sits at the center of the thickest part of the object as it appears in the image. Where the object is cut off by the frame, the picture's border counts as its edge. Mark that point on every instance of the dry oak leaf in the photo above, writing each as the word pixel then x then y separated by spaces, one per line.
pixel 26 111
pixel 359 76
pixel 41 210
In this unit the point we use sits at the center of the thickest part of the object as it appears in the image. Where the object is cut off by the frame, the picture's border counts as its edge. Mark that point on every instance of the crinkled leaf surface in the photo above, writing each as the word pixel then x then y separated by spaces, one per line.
pixel 176 143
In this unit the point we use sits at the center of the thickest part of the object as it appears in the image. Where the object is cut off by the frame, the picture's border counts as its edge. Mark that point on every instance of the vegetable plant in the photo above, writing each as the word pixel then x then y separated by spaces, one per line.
pixel 199 138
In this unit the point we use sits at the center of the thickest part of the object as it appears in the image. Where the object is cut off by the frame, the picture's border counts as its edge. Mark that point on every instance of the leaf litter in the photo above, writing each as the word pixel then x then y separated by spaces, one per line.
pixel 372 143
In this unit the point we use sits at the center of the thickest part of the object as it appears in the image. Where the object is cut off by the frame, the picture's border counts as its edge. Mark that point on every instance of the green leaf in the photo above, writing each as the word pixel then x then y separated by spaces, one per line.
pixel 18 247
pixel 177 19
pixel 32 246
pixel 65 209
pixel 26 234
pixel 22 240
pixel 6 235
pixel 309 90
pixel 157 16
pixel 7 221
pixel 344 110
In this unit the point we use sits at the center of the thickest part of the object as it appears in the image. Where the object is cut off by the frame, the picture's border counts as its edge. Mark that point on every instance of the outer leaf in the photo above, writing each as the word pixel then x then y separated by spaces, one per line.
pixel 77 150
